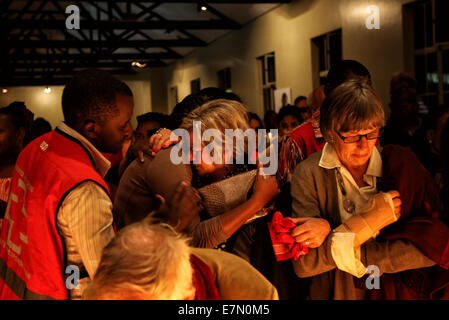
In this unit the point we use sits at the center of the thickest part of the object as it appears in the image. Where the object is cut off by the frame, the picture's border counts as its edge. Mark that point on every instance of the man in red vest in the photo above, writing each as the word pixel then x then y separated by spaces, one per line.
pixel 59 213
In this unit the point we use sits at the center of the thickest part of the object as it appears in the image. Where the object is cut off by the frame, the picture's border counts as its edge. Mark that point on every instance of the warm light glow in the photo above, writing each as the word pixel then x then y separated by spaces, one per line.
pixel 47 90
pixel 138 64
pixel 4 90
pixel 203 8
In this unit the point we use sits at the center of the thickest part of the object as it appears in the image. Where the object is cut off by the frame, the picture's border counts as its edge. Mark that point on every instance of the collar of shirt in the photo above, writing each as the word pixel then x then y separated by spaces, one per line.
pixel 329 160
pixel 101 163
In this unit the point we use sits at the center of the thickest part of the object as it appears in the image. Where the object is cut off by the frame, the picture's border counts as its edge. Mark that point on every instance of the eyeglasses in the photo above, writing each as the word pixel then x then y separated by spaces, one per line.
pixel 353 139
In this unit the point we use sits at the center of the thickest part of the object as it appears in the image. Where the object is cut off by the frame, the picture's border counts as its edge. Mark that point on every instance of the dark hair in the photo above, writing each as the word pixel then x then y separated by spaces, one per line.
pixel 233 96
pixel 152 117
pixel 299 98
pixel 183 108
pixel 40 126
pixel 92 95
pixel 343 71
pixel 20 116
pixel 402 77
pixel 212 93
pixel 193 101
pixel 252 115
pixel 16 115
pixel 290 110
pixel 270 119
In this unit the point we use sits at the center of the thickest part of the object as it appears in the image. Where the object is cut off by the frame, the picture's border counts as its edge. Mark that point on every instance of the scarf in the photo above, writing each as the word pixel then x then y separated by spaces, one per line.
pixel 203 280
pixel 418 224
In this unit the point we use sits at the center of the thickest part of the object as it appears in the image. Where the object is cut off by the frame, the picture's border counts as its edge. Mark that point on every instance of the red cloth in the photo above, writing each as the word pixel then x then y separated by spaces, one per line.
pixel 418 224
pixel 284 245
pixel 203 280
pixel 306 139
pixel 297 146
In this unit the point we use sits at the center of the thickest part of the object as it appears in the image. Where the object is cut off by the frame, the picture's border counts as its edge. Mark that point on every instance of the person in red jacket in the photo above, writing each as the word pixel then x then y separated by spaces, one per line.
pixel 59 214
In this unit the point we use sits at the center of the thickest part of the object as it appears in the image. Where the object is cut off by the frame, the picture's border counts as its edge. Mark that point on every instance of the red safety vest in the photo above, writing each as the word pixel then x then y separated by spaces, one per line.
pixel 32 252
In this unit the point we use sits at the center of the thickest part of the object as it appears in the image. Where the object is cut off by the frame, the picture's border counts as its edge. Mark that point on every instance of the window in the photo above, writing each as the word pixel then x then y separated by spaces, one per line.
pixel 268 77
pixel 326 51
pixel 224 79
pixel 195 86
pixel 427 49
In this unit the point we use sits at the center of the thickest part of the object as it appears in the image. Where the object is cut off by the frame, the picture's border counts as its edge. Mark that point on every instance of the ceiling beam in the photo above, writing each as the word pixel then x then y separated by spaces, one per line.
pixel 34 82
pixel 95 57
pixel 68 72
pixel 123 24
pixel 80 64
pixel 104 44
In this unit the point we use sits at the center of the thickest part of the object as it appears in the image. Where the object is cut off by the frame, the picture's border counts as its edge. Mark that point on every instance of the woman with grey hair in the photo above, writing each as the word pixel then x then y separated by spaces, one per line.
pixel 338 188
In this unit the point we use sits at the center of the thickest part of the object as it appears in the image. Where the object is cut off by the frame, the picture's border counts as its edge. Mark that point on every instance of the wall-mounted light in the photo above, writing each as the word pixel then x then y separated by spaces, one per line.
pixel 202 6
pixel 138 64
pixel 47 90
pixel 4 90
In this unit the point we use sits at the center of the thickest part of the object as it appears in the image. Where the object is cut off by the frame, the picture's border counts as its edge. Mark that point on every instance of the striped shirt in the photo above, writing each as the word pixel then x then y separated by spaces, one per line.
pixel 85 219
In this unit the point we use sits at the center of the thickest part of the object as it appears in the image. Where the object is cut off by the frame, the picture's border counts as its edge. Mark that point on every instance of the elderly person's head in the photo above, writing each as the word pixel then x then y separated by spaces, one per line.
pixel 218 115
pixel 145 261
pixel 351 119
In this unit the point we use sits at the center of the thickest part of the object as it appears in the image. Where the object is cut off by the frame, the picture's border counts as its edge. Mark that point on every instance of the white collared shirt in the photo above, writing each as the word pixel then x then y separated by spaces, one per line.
pixel 346 257
pixel 361 197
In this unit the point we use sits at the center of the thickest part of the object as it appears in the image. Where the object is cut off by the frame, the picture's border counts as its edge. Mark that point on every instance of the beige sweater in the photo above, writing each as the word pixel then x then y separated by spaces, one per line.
pixel 235 278
pixel 314 192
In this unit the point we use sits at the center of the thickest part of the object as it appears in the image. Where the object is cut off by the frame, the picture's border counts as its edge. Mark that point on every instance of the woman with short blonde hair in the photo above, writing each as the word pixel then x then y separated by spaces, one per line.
pixel 220 115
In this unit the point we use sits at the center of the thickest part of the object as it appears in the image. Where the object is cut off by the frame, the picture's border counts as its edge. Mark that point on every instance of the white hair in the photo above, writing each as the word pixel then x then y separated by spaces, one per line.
pixel 145 260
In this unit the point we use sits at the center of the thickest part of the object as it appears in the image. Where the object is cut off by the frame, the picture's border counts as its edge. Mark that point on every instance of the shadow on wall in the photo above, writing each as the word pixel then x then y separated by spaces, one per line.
pixel 296 8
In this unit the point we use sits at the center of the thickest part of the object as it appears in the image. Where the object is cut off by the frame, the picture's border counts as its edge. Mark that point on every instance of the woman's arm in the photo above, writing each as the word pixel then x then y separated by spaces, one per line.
pixel 393 256
pixel 312 229
pixel 209 233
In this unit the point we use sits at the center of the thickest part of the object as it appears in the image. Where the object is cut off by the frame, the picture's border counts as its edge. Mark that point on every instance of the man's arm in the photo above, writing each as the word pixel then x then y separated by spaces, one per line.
pixel 85 221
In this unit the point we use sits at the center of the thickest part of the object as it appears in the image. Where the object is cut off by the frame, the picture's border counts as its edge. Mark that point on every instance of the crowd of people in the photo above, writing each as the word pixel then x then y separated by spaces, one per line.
pixel 353 191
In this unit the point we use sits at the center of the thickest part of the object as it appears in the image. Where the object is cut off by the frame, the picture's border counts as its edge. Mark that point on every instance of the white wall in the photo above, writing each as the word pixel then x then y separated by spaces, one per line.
pixel 48 106
pixel 43 105
pixel 288 30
